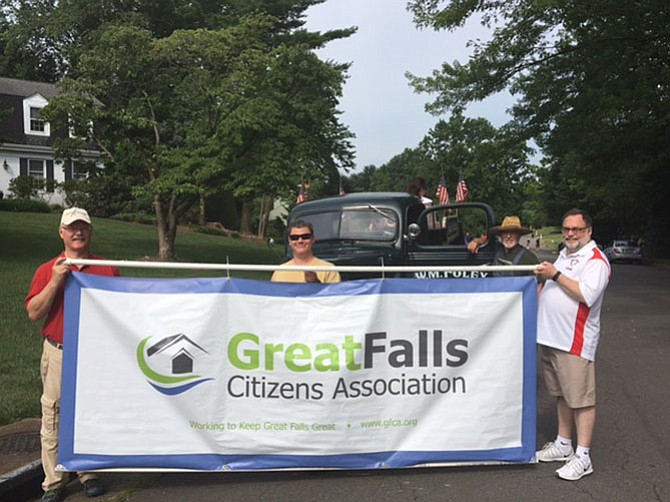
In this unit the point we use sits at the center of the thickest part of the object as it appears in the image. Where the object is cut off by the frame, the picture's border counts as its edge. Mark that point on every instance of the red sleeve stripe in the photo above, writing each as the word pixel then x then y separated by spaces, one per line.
pixel 598 255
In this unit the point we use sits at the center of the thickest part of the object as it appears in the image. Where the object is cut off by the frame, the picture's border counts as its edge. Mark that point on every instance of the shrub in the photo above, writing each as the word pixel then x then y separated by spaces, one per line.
pixel 27 187
pixel 49 184
pixel 276 229
pixel 24 206
pixel 23 187
pixel 75 193
pixel 139 217
pixel 209 230
pixel 223 207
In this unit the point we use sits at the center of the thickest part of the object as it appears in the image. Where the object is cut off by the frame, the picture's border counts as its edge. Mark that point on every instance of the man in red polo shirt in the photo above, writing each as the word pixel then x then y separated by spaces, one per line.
pixel 45 301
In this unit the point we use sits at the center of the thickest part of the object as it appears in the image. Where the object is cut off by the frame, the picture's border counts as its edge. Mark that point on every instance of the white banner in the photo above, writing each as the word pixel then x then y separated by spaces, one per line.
pixel 230 374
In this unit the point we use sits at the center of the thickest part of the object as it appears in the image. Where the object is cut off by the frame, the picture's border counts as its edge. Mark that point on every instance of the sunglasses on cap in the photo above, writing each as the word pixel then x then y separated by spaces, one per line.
pixel 305 237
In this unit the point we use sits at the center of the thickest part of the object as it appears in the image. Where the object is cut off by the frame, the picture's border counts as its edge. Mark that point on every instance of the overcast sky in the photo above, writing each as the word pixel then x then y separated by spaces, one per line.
pixel 379 106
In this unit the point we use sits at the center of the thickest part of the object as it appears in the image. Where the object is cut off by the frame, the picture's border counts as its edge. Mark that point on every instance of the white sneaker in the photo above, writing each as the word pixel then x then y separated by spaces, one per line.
pixel 551 452
pixel 575 468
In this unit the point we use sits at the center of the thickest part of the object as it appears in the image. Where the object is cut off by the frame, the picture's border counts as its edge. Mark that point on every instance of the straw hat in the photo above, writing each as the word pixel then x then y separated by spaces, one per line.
pixel 511 224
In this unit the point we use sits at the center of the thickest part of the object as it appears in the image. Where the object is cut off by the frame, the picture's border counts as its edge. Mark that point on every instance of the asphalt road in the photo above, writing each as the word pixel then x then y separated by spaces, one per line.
pixel 631 452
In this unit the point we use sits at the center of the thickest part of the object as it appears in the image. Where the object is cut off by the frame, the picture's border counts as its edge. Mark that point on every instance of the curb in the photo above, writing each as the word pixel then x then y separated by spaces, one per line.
pixel 20 464
pixel 16 485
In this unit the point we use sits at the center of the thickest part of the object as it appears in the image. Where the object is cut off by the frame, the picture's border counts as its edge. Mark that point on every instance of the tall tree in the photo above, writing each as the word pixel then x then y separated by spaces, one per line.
pixel 195 97
pixel 396 174
pixel 43 39
pixel 28 47
pixel 203 110
pixel 362 181
pixel 592 85
pixel 493 162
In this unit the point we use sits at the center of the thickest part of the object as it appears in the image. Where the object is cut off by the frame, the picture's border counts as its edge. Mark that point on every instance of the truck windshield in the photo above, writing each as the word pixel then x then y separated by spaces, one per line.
pixel 360 223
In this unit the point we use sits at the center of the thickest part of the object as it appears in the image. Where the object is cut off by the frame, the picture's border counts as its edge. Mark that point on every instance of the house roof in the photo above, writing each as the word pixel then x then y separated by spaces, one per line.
pixel 171 341
pixel 25 88
pixel 13 92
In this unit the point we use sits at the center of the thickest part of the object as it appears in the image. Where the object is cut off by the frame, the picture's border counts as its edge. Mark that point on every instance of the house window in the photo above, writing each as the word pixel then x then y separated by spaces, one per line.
pixel 33 124
pixel 41 171
pixel 36 169
pixel 36 123
pixel 79 171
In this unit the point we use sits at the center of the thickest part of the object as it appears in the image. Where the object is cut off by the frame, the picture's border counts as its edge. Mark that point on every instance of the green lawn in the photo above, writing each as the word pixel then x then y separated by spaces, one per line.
pixel 551 237
pixel 30 239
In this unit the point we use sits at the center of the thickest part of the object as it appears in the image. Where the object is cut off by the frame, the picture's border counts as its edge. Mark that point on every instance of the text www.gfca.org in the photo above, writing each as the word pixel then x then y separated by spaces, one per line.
pixel 387 424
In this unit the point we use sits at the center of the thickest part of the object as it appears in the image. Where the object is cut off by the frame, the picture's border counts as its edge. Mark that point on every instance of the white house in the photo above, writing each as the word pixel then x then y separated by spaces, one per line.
pixel 26 141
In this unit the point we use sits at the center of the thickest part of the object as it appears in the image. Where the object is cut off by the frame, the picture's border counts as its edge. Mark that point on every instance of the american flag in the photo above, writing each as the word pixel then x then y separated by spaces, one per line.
pixel 461 190
pixel 302 194
pixel 442 194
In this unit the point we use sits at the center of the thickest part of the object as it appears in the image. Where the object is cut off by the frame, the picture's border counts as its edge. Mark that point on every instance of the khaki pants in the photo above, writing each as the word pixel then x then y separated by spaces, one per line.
pixel 51 369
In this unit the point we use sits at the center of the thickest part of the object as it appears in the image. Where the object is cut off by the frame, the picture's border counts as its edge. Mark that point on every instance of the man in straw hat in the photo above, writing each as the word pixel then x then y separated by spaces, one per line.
pixel 509 251
pixel 45 300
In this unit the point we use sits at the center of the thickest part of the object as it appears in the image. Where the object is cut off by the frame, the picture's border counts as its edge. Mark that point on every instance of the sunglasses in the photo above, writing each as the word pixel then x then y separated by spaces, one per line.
pixel 295 237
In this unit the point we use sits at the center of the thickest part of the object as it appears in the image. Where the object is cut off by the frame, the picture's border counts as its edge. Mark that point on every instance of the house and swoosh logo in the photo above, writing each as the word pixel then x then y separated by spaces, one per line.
pixel 168 364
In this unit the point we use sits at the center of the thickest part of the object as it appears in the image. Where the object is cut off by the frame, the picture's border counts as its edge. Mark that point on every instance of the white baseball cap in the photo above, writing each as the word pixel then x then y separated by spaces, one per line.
pixel 74 214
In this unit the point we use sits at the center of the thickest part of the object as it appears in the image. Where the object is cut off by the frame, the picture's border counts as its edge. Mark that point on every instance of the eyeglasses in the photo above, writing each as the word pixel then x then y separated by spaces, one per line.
pixel 573 230
pixel 77 227
pixel 304 237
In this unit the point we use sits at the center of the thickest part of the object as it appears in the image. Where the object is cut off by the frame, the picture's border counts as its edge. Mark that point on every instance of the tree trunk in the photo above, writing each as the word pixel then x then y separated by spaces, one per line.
pixel 201 217
pixel 166 223
pixel 245 219
pixel 267 202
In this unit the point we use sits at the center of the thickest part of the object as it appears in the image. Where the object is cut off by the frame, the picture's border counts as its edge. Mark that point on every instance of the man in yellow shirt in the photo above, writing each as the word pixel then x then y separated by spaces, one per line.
pixel 301 240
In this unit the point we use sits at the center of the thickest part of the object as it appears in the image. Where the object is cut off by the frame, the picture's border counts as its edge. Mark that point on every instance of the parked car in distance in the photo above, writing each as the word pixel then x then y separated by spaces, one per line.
pixel 621 250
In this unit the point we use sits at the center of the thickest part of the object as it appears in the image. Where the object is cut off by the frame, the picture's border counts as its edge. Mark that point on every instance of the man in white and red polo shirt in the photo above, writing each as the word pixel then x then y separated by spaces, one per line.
pixel 568 328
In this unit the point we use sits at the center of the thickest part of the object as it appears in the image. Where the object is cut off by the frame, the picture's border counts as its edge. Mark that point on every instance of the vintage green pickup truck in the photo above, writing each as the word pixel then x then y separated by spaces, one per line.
pixel 392 228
